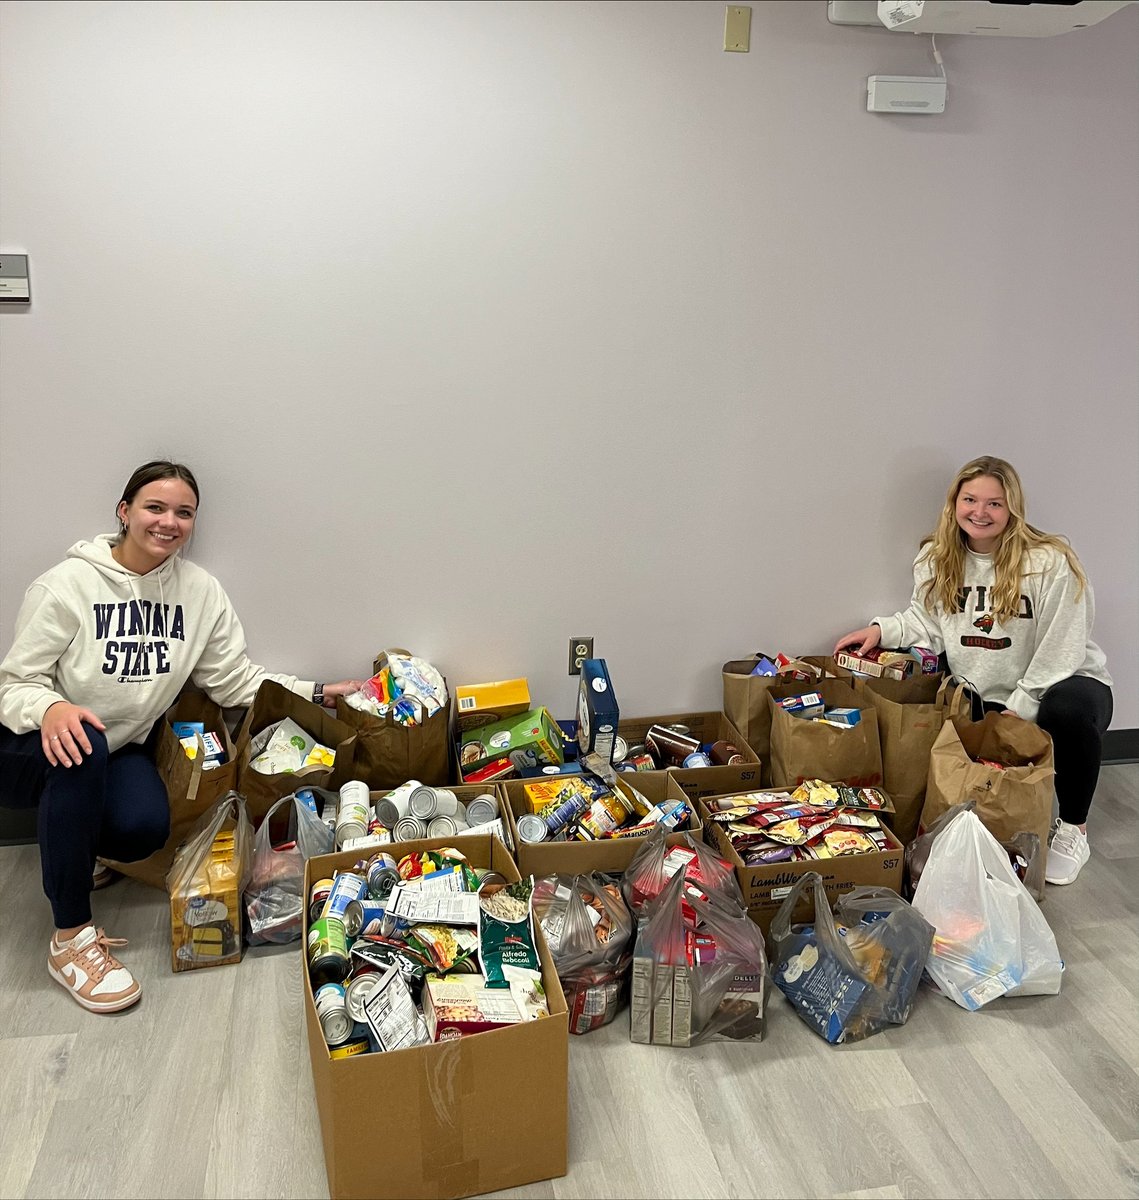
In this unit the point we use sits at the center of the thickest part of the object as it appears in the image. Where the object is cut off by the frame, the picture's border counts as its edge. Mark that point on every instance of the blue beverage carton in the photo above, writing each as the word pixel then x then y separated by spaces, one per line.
pixel 597 711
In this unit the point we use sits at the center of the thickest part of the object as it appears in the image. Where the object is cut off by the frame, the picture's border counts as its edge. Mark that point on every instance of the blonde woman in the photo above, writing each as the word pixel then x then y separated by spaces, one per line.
pixel 1012 610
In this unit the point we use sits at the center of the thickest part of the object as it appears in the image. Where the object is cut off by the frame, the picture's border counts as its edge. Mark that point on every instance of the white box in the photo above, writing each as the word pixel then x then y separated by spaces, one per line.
pixel 905 94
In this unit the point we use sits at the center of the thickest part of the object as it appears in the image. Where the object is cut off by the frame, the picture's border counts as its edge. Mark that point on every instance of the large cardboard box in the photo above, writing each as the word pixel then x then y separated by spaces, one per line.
pixel 610 855
pixel 706 727
pixel 444 1120
pixel 765 887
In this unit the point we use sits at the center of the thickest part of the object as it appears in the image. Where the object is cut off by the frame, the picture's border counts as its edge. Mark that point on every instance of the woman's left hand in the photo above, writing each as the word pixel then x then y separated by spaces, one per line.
pixel 332 690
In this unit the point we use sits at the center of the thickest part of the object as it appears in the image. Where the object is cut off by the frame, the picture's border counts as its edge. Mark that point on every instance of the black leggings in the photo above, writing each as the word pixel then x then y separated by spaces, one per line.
pixel 113 804
pixel 1075 713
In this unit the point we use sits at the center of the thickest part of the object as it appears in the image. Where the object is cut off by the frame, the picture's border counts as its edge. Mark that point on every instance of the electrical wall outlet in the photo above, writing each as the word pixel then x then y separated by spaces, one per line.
pixel 581 648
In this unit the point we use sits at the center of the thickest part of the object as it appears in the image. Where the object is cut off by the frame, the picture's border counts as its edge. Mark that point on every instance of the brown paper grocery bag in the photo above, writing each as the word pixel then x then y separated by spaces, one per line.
pixel 272 703
pixel 911 713
pixel 802 749
pixel 1015 799
pixel 389 754
pixel 190 790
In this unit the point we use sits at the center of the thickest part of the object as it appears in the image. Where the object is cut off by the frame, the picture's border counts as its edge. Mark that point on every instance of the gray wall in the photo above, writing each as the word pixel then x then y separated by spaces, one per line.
pixel 485 324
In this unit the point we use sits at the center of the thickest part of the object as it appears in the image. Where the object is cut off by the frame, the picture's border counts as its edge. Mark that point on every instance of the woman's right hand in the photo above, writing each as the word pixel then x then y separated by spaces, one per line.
pixel 861 640
pixel 62 736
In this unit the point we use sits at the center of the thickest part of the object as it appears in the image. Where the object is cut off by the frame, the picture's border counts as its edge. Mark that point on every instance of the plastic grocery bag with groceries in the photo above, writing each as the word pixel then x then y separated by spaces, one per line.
pixel 853 973
pixel 655 863
pixel 589 931
pixel 699 970
pixel 274 898
pixel 991 938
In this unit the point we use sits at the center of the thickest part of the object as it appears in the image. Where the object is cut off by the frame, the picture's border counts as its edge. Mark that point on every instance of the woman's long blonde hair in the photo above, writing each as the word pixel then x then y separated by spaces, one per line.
pixel 945 547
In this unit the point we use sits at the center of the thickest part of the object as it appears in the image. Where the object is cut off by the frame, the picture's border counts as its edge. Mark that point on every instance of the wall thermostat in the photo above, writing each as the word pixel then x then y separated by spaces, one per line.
pixel 905 94
pixel 14 287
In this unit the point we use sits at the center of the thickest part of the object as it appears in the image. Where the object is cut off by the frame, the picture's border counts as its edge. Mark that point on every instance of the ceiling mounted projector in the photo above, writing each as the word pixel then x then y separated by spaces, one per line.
pixel 993 18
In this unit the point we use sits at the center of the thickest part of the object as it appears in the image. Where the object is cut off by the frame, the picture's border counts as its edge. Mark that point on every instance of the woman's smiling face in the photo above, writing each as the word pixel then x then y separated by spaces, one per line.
pixel 982 512
pixel 158 521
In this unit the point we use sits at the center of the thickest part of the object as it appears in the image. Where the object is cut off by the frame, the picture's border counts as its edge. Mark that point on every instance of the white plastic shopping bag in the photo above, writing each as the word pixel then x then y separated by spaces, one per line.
pixel 992 939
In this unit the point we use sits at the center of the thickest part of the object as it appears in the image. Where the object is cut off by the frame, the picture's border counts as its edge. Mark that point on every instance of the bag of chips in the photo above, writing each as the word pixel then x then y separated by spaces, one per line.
pixel 850 979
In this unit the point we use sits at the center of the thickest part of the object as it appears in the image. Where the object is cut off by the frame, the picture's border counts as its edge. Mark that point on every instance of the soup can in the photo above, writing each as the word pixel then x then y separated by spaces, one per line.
pixel 363 917
pixel 620 749
pixel 382 874
pixel 698 759
pixel 327 951
pixel 422 802
pixel 409 829
pixel 357 991
pixel 345 887
pixel 669 745
pixel 318 898
pixel 447 804
pixel 391 807
pixel 725 754
pixel 482 809
pixel 445 826
pixel 531 828
pixel 332 1013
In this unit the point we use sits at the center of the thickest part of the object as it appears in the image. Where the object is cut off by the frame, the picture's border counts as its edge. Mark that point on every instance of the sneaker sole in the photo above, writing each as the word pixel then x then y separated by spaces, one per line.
pixel 94 1005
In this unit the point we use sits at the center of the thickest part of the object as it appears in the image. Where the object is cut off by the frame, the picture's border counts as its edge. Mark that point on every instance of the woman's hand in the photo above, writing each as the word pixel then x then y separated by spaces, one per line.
pixel 861 639
pixel 61 734
pixel 332 690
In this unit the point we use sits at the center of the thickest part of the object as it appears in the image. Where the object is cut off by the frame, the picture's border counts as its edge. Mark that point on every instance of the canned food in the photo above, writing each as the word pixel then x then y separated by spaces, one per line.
pixel 725 754
pixel 639 762
pixel 482 809
pixel 409 829
pixel 670 745
pixel 318 897
pixel 327 951
pixel 531 828
pixel 349 1049
pixel 345 887
pixel 422 802
pixel 382 874
pixel 558 816
pixel 698 759
pixel 443 826
pixel 678 728
pixel 354 811
pixel 391 807
pixel 356 994
pixel 620 749
pixel 363 917
pixel 488 878
pixel 332 1013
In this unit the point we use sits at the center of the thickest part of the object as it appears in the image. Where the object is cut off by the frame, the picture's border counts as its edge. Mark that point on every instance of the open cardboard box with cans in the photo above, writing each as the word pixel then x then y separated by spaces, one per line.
pixel 765 887
pixel 464 793
pixel 704 727
pixel 454 1118
pixel 574 857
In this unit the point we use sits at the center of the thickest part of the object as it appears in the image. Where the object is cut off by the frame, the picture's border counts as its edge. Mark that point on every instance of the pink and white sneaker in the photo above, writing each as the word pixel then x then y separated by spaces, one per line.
pixel 85 966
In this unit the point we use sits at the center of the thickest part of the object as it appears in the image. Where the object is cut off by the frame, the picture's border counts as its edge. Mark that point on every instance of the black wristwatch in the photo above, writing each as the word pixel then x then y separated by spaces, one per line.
pixel 318 693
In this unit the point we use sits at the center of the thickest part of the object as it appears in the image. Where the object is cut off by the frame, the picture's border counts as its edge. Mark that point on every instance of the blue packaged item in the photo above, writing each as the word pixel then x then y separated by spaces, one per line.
pixel 597 711
pixel 765 667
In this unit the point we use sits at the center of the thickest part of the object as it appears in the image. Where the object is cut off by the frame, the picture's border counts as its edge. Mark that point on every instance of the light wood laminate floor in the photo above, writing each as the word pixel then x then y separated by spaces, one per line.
pixel 204 1089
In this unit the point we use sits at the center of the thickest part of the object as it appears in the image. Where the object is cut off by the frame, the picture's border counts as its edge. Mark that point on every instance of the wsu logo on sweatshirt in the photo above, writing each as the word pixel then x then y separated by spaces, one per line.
pixel 137 634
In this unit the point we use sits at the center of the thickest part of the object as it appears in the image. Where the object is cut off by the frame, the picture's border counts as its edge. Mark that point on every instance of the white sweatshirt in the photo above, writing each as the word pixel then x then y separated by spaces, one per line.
pixel 1013 664
pixel 123 645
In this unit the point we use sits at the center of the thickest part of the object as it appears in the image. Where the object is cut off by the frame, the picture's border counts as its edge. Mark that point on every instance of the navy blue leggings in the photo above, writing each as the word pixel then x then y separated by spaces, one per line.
pixel 112 805
pixel 1075 713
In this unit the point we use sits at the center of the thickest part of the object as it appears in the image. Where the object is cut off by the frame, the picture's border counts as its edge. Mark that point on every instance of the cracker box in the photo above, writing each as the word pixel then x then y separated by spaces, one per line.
pixel 526 740
pixel 486 703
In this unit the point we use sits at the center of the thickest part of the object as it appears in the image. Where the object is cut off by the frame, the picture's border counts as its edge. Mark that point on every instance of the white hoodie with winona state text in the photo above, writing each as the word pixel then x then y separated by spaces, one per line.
pixel 94 633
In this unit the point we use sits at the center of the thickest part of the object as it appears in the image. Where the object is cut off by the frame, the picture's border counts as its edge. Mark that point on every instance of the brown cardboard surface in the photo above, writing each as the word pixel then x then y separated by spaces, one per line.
pixel 610 855
pixel 452 1107
pixel 707 727
pixel 765 887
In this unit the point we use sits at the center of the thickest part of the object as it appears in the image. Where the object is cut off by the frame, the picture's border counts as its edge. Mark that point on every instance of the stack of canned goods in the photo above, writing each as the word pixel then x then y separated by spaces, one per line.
pixel 342 909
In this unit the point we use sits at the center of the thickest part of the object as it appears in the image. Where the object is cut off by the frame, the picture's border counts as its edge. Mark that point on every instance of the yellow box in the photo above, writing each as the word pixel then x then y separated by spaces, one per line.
pixel 484 703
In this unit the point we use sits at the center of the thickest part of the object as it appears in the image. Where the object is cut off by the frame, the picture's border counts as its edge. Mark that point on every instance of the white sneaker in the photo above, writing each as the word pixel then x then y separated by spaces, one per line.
pixel 1067 854
pixel 95 978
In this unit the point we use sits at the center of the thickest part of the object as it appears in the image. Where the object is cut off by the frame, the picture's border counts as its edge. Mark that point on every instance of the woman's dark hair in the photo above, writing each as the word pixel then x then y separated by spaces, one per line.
pixel 151 472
